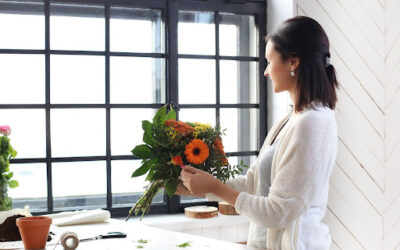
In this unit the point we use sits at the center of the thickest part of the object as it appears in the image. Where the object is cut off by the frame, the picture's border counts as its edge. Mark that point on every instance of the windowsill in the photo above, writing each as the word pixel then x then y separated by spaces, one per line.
pixel 179 222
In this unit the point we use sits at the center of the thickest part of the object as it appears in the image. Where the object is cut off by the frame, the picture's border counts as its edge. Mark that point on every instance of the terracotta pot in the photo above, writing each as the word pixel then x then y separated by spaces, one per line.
pixel 34 231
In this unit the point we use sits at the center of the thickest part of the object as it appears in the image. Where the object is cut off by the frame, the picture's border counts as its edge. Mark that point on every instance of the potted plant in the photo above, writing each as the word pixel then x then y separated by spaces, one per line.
pixel 6 153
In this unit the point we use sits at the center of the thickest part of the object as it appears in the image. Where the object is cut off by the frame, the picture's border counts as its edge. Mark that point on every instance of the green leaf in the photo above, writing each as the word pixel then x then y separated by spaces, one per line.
pixel 142 170
pixel 150 175
pixel 148 136
pixel 170 186
pixel 160 116
pixel 9 175
pixel 142 151
pixel 186 244
pixel 147 126
pixel 171 114
pixel 13 184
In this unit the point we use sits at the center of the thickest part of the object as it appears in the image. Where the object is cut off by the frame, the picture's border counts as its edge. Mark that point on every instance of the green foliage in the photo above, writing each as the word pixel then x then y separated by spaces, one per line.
pixel 170 186
pixel 186 244
pixel 6 153
pixel 142 151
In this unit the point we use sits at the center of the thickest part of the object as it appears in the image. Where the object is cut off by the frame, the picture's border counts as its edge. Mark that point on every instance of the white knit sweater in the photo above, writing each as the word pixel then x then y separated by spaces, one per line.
pixel 302 163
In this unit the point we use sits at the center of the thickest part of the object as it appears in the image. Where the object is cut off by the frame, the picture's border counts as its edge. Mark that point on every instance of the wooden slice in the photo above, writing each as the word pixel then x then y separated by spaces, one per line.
pixel 225 208
pixel 201 212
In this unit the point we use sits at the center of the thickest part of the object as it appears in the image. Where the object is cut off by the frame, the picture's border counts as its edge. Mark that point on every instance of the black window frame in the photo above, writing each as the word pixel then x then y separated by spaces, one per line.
pixel 169 10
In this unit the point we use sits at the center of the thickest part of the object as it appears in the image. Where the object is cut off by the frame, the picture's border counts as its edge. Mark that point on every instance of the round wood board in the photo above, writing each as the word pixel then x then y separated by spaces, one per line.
pixel 225 208
pixel 201 212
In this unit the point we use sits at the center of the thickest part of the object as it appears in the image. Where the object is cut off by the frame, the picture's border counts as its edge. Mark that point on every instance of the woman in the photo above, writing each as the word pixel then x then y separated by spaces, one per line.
pixel 285 192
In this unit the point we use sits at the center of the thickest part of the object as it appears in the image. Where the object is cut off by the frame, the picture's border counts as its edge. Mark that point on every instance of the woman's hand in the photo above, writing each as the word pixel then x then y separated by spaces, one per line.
pixel 197 181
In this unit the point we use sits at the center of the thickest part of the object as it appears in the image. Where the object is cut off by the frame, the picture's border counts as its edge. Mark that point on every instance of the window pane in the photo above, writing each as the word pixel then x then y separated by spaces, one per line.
pixel 78 184
pixel 22 77
pixel 239 82
pixel 78 132
pixel 247 160
pixel 137 80
pixel 237 35
pixel 198 115
pixel 196 81
pixel 127 23
pixel 126 129
pixel 77 27
pixel 28 131
pixel 196 33
pixel 20 28
pixel 126 190
pixel 32 189
pixel 241 129
pixel 77 79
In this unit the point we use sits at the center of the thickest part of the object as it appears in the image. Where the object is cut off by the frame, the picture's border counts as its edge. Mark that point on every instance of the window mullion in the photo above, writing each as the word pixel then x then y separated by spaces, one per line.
pixel 217 68
pixel 172 79
pixel 107 98
pixel 47 101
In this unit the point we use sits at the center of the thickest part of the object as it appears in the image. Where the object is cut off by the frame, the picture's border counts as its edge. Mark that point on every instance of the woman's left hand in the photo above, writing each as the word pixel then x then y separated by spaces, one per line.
pixel 197 181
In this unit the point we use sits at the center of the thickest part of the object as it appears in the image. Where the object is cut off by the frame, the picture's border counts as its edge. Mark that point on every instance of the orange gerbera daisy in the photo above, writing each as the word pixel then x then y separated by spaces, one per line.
pixel 196 151
pixel 177 160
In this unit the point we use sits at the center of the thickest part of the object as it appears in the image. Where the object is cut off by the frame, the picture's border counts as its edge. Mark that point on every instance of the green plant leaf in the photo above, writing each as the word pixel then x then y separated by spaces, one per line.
pixel 170 186
pixel 150 175
pixel 186 244
pixel 160 116
pixel 148 136
pixel 142 151
pixel 9 175
pixel 142 170
pixel 171 114
pixel 13 184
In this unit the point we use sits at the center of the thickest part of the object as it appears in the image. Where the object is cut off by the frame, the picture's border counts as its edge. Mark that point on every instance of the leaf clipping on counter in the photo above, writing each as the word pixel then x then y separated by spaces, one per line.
pixel 186 244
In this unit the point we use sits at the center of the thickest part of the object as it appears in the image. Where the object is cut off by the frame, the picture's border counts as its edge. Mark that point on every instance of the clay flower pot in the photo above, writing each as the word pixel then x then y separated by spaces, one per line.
pixel 34 231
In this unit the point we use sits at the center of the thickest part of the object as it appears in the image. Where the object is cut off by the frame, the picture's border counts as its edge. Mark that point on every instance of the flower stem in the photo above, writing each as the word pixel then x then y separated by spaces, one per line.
pixel 144 202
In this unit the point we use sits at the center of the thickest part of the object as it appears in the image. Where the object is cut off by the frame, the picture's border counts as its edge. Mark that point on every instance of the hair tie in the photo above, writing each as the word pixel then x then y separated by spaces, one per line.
pixel 327 61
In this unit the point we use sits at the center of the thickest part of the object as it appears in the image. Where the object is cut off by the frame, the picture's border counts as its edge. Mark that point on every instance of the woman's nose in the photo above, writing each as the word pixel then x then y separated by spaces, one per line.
pixel 266 74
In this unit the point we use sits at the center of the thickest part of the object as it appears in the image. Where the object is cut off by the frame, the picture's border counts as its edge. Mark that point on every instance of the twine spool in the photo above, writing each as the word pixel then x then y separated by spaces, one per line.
pixel 69 240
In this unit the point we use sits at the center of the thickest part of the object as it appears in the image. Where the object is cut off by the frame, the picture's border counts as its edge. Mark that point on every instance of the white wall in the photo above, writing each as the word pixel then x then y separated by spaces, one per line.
pixel 391 220
pixel 364 199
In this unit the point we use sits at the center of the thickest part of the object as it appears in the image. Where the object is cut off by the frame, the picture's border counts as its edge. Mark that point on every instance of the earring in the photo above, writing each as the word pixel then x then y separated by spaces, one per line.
pixel 292 73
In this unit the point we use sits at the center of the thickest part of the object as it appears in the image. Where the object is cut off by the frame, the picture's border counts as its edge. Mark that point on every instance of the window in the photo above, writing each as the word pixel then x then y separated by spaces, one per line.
pixel 81 75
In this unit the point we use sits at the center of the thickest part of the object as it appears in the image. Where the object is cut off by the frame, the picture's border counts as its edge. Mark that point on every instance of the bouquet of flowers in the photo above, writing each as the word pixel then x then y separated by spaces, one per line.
pixel 168 144
pixel 6 153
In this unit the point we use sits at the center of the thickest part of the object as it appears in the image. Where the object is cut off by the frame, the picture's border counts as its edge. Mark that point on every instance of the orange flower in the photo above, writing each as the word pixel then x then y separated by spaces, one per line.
pixel 179 126
pixel 219 146
pixel 225 162
pixel 196 151
pixel 177 160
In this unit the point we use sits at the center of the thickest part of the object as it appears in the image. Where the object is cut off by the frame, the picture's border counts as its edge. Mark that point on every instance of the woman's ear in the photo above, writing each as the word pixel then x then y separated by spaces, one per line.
pixel 294 63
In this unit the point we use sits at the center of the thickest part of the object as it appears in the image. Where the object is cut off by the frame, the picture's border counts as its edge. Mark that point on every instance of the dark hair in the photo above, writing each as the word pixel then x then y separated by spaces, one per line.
pixel 303 37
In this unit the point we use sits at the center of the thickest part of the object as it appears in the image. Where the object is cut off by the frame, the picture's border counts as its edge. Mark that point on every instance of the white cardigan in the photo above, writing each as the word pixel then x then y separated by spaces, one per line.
pixel 302 163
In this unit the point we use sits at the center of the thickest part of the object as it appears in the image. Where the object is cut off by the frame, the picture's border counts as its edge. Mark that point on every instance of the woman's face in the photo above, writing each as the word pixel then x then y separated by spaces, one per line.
pixel 279 71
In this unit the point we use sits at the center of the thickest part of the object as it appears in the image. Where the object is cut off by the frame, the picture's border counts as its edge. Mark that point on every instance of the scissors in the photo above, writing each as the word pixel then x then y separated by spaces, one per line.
pixel 108 235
